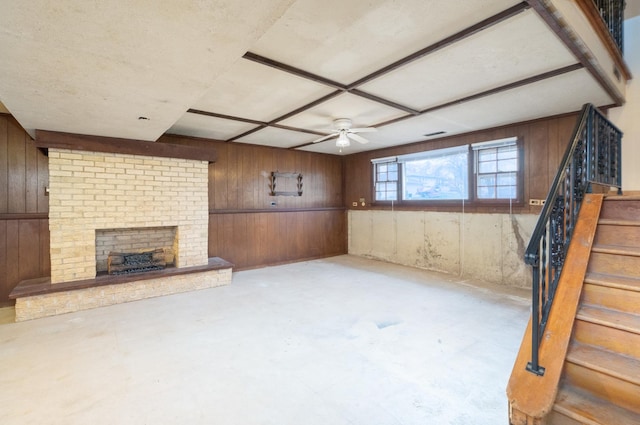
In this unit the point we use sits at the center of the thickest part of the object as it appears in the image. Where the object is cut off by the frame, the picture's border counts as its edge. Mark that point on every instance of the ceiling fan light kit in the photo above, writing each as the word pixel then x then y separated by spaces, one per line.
pixel 343 133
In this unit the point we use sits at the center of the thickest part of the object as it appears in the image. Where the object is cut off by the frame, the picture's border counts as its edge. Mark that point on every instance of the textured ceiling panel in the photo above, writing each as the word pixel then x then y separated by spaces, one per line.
pixel 564 93
pixel 361 111
pixel 277 137
pixel 518 48
pixel 258 92
pixel 95 67
pixel 209 127
pixel 346 40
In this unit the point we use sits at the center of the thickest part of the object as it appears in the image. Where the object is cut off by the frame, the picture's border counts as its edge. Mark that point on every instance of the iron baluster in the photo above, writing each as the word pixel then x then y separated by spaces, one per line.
pixel 592 157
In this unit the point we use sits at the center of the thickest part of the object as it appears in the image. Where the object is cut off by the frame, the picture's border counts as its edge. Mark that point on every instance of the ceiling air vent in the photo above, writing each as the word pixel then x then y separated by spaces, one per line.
pixel 435 133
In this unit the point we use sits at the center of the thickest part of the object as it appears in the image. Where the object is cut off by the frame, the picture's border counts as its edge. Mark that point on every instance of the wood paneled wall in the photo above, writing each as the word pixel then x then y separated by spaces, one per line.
pixel 243 226
pixel 24 227
pixel 545 141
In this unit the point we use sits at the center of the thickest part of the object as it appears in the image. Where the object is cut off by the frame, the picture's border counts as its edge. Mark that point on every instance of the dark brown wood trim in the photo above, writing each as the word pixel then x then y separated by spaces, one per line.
pixel 43 285
pixel 305 107
pixel 54 139
pixel 470 133
pixel 549 14
pixel 516 84
pixel 300 130
pixel 225 117
pixel 597 23
pixel 293 70
pixel 275 210
pixel 297 260
pixel 467 32
pixel 24 216
pixel 510 86
pixel 384 101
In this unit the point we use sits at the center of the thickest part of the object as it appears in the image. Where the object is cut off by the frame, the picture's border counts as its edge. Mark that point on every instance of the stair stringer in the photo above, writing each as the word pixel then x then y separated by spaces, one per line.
pixel 531 397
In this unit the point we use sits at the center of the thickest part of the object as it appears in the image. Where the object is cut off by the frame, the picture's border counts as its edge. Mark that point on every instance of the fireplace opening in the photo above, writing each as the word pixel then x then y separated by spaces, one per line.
pixel 135 250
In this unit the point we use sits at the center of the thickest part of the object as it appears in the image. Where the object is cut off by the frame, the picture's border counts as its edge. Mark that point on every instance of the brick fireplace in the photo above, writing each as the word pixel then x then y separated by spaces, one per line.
pixel 92 192
pixel 105 201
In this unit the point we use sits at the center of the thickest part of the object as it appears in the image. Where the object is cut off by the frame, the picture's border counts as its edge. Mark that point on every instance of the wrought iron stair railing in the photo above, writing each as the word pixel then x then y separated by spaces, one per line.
pixel 592 157
pixel 612 12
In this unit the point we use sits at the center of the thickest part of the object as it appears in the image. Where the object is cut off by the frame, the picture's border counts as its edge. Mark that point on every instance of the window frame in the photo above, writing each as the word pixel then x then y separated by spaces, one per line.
pixel 472 177
pixel 517 142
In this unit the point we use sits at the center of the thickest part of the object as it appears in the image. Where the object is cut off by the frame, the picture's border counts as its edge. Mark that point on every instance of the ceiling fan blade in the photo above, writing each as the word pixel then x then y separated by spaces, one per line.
pixel 357 138
pixel 327 137
pixel 363 130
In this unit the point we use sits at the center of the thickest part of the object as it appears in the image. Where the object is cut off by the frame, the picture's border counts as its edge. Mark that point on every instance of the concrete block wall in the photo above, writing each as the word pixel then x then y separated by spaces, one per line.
pixel 90 191
pixel 488 247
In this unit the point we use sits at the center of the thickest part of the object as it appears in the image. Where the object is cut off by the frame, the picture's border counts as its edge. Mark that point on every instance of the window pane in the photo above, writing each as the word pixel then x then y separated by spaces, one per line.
pixel 489 180
pixel 487 155
pixel 487 167
pixel 486 192
pixel 506 192
pixel 438 177
pixel 386 184
pixel 497 170
pixel 507 152
pixel 507 179
pixel 508 165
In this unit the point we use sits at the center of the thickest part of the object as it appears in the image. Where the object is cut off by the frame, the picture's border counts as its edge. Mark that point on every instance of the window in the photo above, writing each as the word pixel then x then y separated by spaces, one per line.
pixel 496 169
pixel 487 171
pixel 437 174
pixel 386 179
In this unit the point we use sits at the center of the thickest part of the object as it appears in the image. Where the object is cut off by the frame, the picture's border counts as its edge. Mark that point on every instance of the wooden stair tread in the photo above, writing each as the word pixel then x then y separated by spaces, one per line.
pixel 610 318
pixel 622 197
pixel 599 359
pixel 591 410
pixel 613 281
pixel 616 222
pixel 617 250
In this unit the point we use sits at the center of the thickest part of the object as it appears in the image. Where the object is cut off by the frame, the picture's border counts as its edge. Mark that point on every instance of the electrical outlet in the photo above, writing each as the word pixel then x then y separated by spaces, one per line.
pixel 542 202
pixel 534 202
pixel 354 204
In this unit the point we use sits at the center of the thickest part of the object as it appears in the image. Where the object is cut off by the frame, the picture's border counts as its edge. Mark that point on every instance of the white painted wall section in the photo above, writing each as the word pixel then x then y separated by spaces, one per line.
pixel 626 116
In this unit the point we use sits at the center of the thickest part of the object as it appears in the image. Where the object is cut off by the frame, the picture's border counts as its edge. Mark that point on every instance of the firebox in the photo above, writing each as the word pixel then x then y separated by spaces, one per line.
pixel 137 249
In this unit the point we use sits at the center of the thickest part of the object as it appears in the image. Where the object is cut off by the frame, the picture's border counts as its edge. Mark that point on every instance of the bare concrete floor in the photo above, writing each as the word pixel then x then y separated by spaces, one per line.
pixel 343 340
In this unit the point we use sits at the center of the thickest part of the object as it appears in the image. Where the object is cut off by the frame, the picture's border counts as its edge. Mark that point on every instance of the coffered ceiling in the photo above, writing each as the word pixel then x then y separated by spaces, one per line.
pixel 278 72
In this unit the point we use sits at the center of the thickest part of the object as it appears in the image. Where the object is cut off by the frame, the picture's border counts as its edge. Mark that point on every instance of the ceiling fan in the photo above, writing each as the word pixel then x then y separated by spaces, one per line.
pixel 343 132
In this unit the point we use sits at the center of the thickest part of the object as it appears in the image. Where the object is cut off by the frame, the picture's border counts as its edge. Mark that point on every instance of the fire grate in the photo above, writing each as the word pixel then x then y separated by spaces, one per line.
pixel 135 262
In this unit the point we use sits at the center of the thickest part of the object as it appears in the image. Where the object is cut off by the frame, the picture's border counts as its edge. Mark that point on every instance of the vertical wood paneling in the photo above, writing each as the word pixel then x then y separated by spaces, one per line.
pixel 45 259
pixel 12 270
pixel 537 161
pixel 4 164
pixel 28 249
pixel 5 286
pixel 42 183
pixel 24 253
pixel 16 163
pixel 544 143
pixel 31 176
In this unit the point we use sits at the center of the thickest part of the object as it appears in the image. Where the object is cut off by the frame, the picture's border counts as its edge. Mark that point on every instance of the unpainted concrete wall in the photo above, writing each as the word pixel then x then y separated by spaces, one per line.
pixel 488 247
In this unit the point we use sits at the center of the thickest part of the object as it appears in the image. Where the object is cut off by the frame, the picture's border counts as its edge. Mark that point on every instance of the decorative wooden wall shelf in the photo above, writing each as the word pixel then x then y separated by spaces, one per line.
pixel 286 182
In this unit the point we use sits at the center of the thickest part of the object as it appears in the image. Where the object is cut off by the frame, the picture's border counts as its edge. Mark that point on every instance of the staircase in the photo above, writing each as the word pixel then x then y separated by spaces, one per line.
pixel 600 381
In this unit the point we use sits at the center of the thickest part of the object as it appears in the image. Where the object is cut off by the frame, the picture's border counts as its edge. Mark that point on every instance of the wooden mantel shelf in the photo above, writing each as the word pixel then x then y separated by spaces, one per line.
pixel 43 285
pixel 53 139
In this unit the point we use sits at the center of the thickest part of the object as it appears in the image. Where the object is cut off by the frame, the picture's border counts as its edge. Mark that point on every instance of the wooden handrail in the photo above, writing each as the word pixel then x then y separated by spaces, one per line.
pixel 532 396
